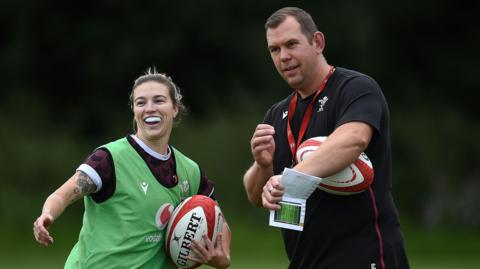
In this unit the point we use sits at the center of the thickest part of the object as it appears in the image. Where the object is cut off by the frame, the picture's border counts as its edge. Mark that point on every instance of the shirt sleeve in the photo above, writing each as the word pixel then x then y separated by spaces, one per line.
pixel 362 101
pixel 207 187
pixel 99 167
pixel 91 173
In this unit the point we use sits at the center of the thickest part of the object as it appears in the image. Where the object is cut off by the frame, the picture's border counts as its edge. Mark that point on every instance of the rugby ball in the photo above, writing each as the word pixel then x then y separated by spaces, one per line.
pixel 355 178
pixel 195 216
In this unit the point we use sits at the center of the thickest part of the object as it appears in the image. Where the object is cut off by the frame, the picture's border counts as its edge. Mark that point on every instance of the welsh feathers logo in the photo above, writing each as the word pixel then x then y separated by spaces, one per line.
pixel 185 187
pixel 163 215
pixel 322 103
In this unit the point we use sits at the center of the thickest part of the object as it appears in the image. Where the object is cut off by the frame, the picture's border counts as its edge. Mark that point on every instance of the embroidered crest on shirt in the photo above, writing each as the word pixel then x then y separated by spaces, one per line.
pixel 185 187
pixel 322 103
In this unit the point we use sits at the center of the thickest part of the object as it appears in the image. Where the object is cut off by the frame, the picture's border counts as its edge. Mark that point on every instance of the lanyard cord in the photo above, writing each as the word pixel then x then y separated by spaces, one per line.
pixel 306 117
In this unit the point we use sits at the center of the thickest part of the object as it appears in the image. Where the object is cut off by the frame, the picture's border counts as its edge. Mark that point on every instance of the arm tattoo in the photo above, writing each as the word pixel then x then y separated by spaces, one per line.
pixel 84 186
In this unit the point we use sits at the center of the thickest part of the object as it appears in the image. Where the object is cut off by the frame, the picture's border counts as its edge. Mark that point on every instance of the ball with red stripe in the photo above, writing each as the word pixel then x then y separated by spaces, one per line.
pixel 195 216
pixel 355 178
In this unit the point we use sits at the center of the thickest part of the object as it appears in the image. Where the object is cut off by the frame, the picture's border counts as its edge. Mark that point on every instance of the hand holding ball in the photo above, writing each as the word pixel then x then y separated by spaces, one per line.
pixel 192 218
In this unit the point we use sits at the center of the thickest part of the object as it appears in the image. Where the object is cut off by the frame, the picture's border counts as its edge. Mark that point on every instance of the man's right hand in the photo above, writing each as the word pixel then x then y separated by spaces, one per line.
pixel 263 145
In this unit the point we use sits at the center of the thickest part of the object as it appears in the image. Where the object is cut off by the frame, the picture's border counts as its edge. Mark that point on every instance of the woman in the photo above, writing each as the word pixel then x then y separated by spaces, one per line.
pixel 128 183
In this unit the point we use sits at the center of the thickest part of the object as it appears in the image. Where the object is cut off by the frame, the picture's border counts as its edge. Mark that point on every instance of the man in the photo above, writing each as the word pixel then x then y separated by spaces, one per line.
pixel 352 231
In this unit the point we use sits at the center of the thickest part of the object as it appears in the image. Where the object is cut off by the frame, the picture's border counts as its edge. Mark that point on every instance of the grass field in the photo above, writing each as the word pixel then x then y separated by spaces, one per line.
pixel 258 247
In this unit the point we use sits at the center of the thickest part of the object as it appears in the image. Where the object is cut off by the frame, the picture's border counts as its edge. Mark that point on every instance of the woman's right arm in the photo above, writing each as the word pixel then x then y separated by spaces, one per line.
pixel 73 189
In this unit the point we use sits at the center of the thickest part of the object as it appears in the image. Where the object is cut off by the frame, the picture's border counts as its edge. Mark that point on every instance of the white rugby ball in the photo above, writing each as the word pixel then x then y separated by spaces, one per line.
pixel 192 218
pixel 355 178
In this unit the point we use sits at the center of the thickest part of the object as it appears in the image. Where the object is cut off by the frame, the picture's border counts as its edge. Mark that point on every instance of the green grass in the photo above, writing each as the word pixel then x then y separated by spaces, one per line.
pixel 256 246
pixel 443 248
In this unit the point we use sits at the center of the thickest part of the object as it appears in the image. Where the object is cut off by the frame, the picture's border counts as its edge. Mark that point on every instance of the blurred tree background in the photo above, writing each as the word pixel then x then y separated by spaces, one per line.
pixel 67 69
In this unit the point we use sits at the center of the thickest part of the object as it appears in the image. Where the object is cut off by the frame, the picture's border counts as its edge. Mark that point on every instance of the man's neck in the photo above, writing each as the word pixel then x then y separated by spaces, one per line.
pixel 306 93
pixel 317 81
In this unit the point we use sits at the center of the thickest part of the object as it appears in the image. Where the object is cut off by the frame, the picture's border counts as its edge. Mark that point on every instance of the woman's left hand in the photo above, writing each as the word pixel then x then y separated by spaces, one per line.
pixel 209 254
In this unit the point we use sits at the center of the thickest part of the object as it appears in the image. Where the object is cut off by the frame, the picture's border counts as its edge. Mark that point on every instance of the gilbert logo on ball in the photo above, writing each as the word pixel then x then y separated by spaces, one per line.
pixel 355 178
pixel 194 217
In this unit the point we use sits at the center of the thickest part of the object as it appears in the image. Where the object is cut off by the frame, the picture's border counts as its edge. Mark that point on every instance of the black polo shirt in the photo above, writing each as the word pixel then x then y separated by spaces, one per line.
pixel 354 231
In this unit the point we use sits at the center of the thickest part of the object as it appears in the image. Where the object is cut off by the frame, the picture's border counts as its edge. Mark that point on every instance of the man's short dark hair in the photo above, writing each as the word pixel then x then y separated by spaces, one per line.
pixel 307 25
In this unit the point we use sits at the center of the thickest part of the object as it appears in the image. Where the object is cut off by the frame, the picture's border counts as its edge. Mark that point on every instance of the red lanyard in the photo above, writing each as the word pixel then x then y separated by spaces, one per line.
pixel 306 117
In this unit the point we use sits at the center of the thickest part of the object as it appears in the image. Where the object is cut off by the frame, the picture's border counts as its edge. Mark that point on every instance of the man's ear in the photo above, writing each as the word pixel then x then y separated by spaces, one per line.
pixel 318 40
